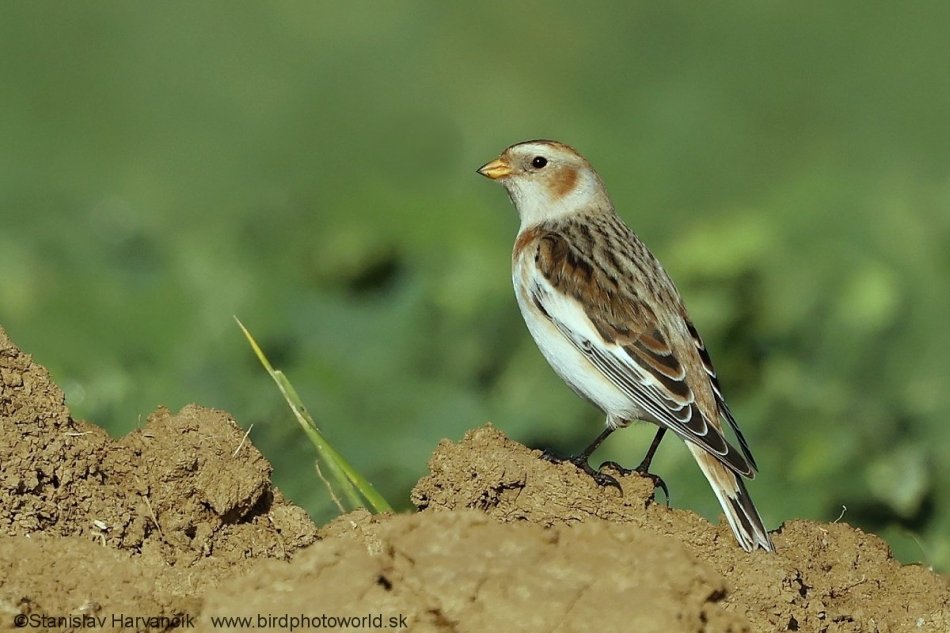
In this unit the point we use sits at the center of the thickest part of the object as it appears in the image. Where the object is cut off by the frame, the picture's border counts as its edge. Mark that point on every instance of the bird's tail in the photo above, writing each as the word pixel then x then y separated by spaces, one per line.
pixel 743 518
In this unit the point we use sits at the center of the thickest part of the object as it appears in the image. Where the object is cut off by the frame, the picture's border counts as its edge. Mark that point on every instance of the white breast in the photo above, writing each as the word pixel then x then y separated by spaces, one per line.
pixel 569 363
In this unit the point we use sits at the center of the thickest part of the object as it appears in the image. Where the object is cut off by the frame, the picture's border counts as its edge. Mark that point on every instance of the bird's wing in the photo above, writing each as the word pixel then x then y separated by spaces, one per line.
pixel 621 337
pixel 724 410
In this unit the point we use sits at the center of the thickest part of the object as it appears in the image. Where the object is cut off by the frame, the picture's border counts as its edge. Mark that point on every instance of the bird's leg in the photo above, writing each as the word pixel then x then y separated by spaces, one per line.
pixel 581 461
pixel 644 468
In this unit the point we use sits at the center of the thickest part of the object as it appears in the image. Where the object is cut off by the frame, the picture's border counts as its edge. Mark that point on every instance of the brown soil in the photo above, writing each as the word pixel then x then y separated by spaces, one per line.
pixel 178 522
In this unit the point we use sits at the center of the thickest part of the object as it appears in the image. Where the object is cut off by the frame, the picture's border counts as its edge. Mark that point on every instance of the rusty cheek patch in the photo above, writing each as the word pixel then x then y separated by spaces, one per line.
pixel 564 181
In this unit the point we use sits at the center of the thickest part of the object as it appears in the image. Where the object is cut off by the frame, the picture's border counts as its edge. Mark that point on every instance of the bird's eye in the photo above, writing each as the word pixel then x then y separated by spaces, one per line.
pixel 538 162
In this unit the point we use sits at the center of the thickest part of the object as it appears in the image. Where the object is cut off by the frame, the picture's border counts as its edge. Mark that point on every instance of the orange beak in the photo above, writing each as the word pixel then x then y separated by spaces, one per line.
pixel 498 168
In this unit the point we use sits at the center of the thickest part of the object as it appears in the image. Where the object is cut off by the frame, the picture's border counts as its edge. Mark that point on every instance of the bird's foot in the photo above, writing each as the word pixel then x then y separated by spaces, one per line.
pixel 601 479
pixel 643 471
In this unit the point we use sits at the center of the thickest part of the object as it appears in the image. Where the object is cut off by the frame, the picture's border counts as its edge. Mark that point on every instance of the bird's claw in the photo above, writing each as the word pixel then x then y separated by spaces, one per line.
pixel 580 461
pixel 643 472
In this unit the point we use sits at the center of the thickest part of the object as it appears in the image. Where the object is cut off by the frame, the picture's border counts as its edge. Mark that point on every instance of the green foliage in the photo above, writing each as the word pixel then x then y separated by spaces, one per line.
pixel 311 167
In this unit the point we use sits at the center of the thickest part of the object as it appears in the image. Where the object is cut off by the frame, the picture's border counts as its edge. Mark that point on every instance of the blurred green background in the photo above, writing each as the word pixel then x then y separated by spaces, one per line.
pixel 309 167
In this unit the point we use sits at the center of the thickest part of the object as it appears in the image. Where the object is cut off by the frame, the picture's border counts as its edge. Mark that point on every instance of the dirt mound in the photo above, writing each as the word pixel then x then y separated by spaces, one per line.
pixel 177 524
pixel 461 571
pixel 824 576
pixel 151 519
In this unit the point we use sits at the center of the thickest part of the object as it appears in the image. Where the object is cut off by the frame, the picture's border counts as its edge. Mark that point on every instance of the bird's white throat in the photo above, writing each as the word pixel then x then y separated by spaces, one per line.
pixel 536 202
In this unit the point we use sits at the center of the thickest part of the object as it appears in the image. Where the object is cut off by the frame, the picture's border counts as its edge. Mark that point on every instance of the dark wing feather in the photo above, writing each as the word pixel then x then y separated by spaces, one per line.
pixel 720 400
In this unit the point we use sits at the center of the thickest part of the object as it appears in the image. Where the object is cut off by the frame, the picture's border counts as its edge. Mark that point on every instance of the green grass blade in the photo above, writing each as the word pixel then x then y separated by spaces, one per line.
pixel 351 484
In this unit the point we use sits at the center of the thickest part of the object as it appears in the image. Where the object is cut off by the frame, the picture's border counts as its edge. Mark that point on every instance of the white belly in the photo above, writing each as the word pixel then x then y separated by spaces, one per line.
pixel 568 362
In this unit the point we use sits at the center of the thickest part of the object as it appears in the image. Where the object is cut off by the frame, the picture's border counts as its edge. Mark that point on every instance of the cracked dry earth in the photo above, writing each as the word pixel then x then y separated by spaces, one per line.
pixel 178 522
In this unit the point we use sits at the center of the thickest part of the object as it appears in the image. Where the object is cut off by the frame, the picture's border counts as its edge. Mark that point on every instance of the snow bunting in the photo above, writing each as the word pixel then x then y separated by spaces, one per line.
pixel 609 320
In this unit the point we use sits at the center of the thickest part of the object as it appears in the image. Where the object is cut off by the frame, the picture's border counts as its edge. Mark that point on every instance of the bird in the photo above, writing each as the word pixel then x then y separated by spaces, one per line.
pixel 609 320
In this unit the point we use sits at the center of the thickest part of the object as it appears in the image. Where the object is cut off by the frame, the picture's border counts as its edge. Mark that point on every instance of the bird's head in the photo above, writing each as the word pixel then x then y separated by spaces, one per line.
pixel 547 180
